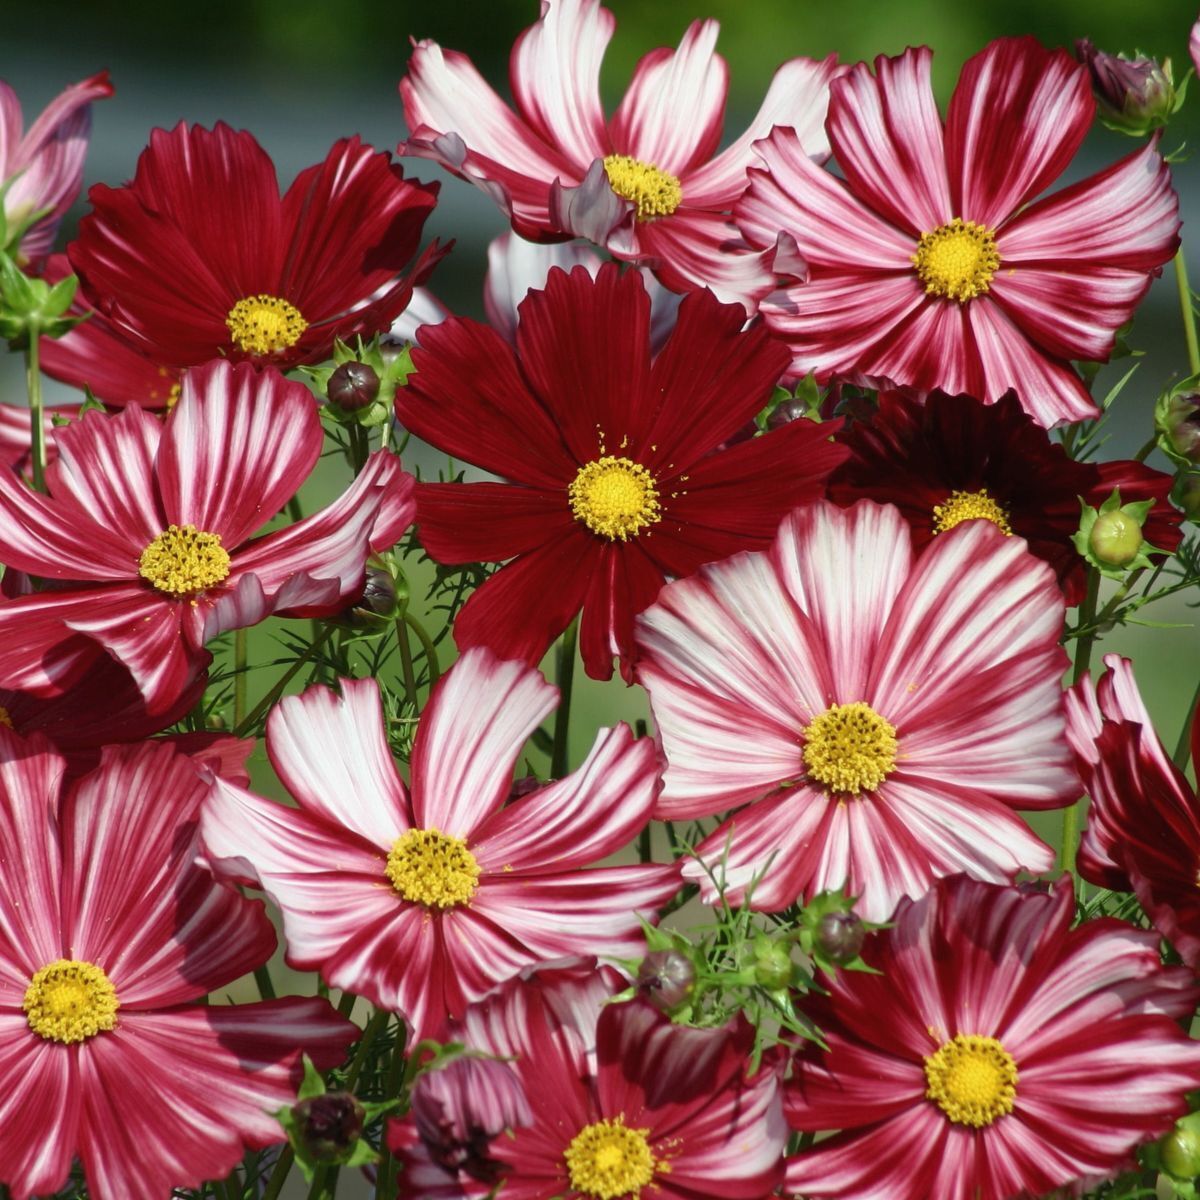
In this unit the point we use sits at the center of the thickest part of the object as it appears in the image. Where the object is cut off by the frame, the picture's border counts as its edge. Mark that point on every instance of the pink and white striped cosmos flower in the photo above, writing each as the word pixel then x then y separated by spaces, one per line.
pixel 42 168
pixel 928 266
pixel 110 934
pixel 647 185
pixel 423 899
pixel 1000 1053
pixel 878 713
pixel 145 542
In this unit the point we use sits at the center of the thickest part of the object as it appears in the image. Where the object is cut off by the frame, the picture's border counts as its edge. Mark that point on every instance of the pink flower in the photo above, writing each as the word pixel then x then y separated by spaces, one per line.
pixel 143 540
pixel 929 266
pixel 1143 828
pixel 423 900
pixel 647 185
pixel 880 714
pixel 43 169
pixel 110 933
pixel 999 1054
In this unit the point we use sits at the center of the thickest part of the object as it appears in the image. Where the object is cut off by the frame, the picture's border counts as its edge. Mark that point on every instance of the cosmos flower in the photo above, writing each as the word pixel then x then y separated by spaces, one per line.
pixel 931 265
pixel 144 539
pixel 879 713
pixel 999 1053
pixel 423 899
pixel 321 262
pixel 42 168
pixel 1143 826
pixel 648 185
pixel 110 935
pixel 953 459
pixel 618 478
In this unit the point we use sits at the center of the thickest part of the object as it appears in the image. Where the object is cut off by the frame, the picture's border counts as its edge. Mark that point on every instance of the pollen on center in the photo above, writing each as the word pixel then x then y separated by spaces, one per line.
pixel 850 749
pixel 607 1160
pixel 614 497
pixel 265 324
pixel 184 561
pixel 969 506
pixel 432 868
pixel 957 260
pixel 70 1001
pixel 654 192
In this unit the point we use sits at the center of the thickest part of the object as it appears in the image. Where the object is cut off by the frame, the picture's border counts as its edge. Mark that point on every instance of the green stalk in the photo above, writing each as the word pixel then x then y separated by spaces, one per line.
pixel 395 1079
pixel 244 727
pixel 266 989
pixel 406 662
pixel 1183 747
pixel 1187 311
pixel 566 683
pixel 1083 658
pixel 240 644
pixel 374 1025
pixel 283 1164
pixel 37 430
pixel 430 650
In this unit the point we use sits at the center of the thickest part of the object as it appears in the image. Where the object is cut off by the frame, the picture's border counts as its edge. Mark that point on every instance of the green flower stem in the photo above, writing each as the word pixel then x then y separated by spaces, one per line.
pixel 37 430
pixel 1183 747
pixel 406 662
pixel 266 989
pixel 1083 658
pixel 395 1081
pixel 566 682
pixel 283 1164
pixel 240 644
pixel 244 727
pixel 1188 312
pixel 430 650
pixel 374 1026
pixel 324 1182
pixel 360 447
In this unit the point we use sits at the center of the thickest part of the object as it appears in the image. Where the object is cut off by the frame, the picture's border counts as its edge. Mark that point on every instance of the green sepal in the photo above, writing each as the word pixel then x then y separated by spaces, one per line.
pixel 1137 510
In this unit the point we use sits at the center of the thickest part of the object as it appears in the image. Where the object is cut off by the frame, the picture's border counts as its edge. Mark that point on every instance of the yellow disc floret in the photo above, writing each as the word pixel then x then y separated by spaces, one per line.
pixel 69 1001
pixel 850 748
pixel 957 260
pixel 614 497
pixel 607 1160
pixel 432 868
pixel 969 506
pixel 184 561
pixel 655 192
pixel 973 1080
pixel 265 324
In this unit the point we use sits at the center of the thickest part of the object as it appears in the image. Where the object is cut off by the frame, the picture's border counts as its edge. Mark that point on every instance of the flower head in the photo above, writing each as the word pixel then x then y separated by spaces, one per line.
pixel 879 713
pixel 998 1053
pixel 320 263
pixel 646 184
pixel 424 898
pixel 932 265
pixel 41 169
pixel 617 479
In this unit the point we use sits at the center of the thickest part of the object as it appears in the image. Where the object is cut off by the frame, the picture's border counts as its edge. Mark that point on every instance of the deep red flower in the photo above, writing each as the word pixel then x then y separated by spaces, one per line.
pixel 953 459
pixel 145 538
pixel 269 279
pixel 109 934
pixel 999 1053
pixel 610 452
pixel 1143 827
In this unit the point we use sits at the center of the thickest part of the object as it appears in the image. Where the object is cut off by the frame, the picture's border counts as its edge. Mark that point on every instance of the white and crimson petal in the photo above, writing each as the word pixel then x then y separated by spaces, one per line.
pixel 957 650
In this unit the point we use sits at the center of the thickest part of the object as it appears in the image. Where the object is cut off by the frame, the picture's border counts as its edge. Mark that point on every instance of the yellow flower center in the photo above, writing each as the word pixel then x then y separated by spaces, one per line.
pixel 433 869
pixel 973 1080
pixel 184 560
pixel 264 324
pixel 850 748
pixel 614 497
pixel 655 193
pixel 607 1159
pixel 969 506
pixel 5 719
pixel 69 1001
pixel 957 260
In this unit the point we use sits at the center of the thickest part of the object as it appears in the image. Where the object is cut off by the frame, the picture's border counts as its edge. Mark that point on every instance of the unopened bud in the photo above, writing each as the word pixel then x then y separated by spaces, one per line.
pixel 1186 494
pixel 329 1124
pixel 1177 419
pixel 1115 538
pixel 772 966
pixel 1133 95
pixel 353 386
pixel 840 936
pixel 666 978
pixel 785 413
pixel 1179 1152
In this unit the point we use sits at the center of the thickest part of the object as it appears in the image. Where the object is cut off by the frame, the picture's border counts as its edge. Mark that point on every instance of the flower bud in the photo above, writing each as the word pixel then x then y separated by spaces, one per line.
pixel 328 1125
pixel 840 936
pixel 353 386
pixel 1186 494
pixel 1115 538
pixel 1177 419
pixel 1133 95
pixel 666 978
pixel 1179 1152
pixel 785 413
pixel 772 966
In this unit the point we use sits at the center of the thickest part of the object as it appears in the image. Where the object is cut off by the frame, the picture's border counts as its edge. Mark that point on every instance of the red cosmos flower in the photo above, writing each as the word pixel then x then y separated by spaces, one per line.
pixel 624 1103
pixel 43 168
pixel 1000 1053
pixel 109 934
pixel 615 482
pixel 143 538
pixel 423 900
pixel 268 279
pixel 646 184
pixel 1143 828
pixel 929 267
pixel 881 714
pixel 954 459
